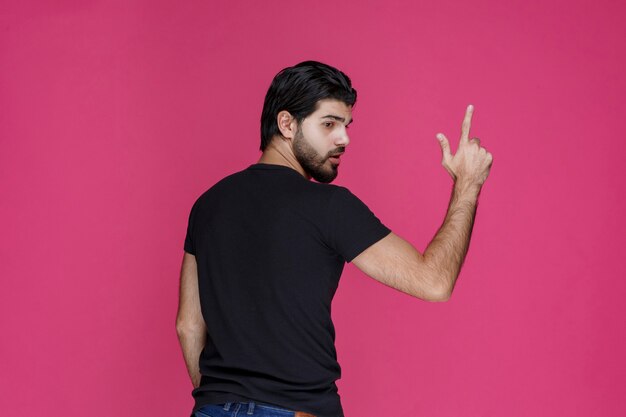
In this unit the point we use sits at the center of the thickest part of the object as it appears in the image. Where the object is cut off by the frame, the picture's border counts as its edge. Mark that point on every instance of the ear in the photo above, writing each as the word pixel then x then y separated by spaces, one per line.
pixel 287 124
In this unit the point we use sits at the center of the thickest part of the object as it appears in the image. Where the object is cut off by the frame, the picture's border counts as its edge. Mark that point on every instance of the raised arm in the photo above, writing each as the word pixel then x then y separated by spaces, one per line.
pixel 190 324
pixel 431 276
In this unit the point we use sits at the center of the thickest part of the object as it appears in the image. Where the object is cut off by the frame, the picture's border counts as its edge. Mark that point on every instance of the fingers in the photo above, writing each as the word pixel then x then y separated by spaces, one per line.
pixel 467 122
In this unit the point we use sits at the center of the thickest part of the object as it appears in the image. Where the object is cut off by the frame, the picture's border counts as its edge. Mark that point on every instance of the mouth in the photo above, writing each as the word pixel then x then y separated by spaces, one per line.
pixel 335 158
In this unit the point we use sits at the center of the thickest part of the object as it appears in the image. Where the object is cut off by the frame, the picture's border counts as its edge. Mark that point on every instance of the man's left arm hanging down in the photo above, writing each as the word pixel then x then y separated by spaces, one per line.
pixel 190 324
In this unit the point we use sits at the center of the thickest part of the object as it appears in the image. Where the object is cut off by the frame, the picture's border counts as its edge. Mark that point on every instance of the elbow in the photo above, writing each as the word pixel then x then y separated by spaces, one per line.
pixel 440 297
pixel 436 284
pixel 433 295
pixel 441 292
pixel 186 327
pixel 181 328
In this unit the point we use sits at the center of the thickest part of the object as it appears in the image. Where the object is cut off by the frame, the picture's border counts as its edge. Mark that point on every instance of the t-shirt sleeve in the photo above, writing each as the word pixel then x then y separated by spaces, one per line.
pixel 190 246
pixel 353 226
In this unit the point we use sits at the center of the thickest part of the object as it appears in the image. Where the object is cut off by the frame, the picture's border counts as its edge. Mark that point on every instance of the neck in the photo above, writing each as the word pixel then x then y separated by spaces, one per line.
pixel 278 155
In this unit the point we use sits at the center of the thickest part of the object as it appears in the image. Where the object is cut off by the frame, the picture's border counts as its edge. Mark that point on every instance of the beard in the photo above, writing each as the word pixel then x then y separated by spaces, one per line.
pixel 313 163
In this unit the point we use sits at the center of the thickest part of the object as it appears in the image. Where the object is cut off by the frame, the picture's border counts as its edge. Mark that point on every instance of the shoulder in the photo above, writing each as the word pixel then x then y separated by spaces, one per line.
pixel 330 198
pixel 220 186
pixel 326 198
pixel 329 190
pixel 342 196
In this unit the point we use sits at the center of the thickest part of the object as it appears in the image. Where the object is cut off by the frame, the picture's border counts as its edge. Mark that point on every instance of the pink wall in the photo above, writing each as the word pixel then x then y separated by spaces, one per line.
pixel 114 117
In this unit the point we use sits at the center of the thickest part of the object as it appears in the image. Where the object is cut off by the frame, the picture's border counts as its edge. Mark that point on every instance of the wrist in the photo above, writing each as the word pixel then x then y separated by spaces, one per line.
pixel 467 188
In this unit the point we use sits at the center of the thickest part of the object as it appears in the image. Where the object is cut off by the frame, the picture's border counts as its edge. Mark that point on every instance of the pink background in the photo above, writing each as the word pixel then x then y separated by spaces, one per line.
pixel 115 116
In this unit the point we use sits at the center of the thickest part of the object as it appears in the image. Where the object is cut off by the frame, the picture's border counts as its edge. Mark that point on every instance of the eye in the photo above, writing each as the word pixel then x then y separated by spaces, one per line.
pixel 328 124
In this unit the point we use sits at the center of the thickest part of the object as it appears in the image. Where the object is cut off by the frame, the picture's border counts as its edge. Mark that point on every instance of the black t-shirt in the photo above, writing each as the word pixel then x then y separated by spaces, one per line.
pixel 270 247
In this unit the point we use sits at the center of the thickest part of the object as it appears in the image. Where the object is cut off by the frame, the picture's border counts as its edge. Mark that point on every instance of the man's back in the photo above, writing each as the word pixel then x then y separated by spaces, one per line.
pixel 270 247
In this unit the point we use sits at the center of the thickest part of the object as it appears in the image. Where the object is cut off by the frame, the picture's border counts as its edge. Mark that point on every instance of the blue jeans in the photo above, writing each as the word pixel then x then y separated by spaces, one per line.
pixel 243 409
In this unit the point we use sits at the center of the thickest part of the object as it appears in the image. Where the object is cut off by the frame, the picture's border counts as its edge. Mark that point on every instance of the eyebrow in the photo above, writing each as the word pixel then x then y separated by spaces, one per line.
pixel 341 119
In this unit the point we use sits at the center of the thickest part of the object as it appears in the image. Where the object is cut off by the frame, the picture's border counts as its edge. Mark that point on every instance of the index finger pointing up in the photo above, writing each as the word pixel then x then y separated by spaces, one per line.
pixel 467 122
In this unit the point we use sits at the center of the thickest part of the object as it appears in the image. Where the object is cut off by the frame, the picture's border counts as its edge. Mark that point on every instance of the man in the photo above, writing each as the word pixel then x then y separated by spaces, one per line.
pixel 265 248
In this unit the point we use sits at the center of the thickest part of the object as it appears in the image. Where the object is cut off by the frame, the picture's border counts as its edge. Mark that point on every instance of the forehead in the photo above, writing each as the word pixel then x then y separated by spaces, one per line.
pixel 334 107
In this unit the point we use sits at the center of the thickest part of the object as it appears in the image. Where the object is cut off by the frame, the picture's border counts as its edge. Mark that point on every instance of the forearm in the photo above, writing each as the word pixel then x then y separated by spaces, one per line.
pixel 192 342
pixel 446 252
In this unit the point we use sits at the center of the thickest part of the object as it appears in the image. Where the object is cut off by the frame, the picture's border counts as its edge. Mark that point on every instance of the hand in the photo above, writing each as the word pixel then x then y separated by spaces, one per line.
pixel 471 163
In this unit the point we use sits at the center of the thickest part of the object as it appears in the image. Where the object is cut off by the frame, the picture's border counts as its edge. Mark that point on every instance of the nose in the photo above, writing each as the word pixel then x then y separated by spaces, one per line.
pixel 343 139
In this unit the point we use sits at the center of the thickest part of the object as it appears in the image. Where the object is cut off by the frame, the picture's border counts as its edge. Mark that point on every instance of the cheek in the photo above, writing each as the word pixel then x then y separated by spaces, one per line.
pixel 318 140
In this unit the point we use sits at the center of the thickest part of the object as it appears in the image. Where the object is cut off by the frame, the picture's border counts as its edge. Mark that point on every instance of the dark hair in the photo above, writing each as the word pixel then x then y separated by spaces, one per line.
pixel 297 90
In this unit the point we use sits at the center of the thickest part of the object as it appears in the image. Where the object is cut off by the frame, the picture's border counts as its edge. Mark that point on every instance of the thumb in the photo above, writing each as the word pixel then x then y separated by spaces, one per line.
pixel 445 147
